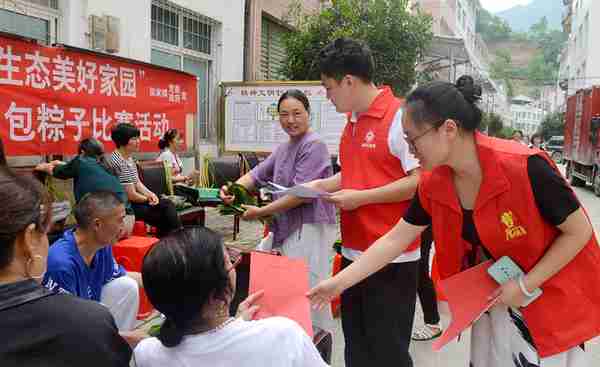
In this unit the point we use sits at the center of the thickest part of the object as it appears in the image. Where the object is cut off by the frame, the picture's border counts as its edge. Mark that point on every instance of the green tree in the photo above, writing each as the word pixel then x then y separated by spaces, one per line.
pixel 396 38
pixel 492 28
pixel 493 122
pixel 553 124
pixel 502 69
pixel 539 29
pixel 539 71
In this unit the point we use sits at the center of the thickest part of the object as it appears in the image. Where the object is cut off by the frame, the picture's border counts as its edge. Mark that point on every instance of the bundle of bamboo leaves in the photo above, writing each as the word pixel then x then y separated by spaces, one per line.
pixel 241 197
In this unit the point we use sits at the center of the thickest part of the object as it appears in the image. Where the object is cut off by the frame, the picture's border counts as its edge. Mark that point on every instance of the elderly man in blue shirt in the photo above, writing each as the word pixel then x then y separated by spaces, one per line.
pixel 81 263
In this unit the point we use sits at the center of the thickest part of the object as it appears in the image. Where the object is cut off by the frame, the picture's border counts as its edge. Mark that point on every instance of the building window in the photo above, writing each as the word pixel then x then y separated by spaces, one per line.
pixel 47 3
pixel 26 26
pixel 165 25
pixel 196 35
pixel 177 26
pixel 185 40
pixel 272 56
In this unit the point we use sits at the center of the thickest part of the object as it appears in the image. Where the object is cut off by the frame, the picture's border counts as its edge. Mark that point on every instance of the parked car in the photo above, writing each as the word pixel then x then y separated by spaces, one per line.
pixel 554 147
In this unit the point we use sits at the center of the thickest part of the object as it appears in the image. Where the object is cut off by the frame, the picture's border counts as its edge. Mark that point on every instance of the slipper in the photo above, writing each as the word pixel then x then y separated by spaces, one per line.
pixel 426 333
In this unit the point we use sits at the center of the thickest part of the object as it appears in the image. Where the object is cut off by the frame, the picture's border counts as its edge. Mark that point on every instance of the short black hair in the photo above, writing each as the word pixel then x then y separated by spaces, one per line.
pixel 436 102
pixel 91 147
pixel 94 205
pixel 122 133
pixel 190 258
pixel 346 56
pixel 296 94
pixel 520 132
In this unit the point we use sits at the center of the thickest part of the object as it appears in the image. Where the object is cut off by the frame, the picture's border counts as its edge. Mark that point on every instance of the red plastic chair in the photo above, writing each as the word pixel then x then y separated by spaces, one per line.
pixel 130 253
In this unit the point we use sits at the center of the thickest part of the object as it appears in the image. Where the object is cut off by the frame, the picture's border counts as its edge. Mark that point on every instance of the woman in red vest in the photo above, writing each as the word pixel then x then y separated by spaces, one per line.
pixel 487 198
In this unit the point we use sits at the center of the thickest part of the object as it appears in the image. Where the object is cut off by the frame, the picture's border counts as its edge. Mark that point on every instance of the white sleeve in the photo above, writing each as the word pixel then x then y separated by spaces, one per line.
pixel 307 354
pixel 398 145
pixel 168 157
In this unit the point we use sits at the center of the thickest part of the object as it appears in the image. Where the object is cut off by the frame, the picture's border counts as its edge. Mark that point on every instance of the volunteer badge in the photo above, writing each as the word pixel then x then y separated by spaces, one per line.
pixel 512 229
pixel 369 140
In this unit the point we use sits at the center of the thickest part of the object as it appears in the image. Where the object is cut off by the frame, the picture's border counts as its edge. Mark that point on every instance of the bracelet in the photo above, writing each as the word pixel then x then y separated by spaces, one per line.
pixel 523 288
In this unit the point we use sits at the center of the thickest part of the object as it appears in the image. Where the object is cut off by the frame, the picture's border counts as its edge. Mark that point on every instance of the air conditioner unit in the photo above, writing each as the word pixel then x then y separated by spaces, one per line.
pixel 112 35
pixel 98 32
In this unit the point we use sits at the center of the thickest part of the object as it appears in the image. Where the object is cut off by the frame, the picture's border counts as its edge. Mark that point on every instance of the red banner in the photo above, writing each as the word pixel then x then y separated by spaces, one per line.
pixel 51 98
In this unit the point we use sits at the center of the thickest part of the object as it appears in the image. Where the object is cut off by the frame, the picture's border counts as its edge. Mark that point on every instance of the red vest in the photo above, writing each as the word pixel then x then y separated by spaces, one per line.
pixel 368 163
pixel 509 223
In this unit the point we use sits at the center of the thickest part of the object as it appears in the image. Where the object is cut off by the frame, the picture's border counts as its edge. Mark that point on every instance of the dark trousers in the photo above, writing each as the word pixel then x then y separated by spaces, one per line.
pixel 426 290
pixel 377 316
pixel 163 216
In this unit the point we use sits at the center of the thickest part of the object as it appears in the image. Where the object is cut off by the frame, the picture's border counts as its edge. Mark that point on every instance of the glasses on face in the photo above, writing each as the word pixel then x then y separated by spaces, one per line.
pixel 235 257
pixel 412 141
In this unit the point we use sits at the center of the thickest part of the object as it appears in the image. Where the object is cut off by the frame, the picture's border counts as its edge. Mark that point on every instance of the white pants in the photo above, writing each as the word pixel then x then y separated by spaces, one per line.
pixel 313 244
pixel 501 337
pixel 121 297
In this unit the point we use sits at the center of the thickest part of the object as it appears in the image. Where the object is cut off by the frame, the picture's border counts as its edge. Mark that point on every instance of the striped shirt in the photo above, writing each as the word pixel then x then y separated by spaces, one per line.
pixel 126 168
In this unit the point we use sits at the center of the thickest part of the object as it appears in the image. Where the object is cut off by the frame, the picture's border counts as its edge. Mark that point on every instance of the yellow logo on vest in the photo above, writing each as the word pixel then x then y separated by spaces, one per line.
pixel 369 138
pixel 512 230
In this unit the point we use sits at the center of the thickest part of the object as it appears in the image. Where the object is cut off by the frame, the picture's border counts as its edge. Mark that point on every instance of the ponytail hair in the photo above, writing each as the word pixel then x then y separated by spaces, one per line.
pixel 440 101
pixel 170 334
pixel 167 138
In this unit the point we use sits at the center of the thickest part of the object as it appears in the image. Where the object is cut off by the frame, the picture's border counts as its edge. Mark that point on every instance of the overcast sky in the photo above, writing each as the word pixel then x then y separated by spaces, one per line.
pixel 499 5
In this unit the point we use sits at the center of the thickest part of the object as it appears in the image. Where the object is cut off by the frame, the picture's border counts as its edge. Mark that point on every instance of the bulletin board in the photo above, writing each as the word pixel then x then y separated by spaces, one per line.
pixel 250 122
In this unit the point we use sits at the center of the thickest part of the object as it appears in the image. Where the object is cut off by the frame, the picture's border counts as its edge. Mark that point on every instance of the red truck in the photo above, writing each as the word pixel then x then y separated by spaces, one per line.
pixel 582 143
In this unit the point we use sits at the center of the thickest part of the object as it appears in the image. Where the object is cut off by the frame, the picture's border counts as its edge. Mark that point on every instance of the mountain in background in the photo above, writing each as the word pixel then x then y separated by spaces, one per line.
pixel 521 17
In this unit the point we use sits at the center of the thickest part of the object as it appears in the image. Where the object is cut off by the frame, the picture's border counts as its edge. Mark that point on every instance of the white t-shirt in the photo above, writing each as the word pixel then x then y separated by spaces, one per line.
pixel 171 159
pixel 274 341
pixel 400 149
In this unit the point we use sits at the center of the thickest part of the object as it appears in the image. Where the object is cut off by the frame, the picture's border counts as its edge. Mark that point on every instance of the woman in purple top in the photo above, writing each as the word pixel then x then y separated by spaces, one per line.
pixel 301 228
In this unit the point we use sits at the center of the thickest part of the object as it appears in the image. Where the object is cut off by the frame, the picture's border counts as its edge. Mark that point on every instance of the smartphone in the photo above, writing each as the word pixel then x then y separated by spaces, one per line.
pixel 506 269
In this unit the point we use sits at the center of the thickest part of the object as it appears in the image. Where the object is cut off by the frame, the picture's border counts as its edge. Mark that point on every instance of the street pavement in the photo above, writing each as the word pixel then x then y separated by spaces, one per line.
pixel 456 354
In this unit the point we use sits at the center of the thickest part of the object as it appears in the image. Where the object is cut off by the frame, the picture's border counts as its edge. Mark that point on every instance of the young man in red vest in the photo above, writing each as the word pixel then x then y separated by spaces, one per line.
pixel 378 178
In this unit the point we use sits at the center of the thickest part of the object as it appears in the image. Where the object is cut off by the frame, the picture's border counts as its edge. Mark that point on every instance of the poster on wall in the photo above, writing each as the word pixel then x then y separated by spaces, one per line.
pixel 251 121
pixel 51 98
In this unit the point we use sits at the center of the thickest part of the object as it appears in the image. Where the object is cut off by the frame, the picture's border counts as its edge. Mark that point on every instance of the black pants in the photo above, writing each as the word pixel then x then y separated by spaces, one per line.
pixel 163 216
pixel 377 316
pixel 426 291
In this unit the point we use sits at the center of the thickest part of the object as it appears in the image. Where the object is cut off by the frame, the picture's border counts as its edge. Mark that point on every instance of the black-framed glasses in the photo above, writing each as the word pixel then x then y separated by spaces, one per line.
pixel 412 141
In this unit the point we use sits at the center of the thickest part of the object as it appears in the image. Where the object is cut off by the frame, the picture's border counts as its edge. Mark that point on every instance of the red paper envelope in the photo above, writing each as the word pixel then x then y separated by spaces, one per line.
pixel 285 283
pixel 467 295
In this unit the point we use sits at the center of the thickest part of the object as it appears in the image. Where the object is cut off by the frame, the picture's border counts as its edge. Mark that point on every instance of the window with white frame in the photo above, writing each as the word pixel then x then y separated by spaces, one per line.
pixel 185 40
pixel 35 19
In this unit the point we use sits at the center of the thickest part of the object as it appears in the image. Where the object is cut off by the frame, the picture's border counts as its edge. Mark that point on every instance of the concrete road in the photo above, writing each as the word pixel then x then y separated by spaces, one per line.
pixel 456 354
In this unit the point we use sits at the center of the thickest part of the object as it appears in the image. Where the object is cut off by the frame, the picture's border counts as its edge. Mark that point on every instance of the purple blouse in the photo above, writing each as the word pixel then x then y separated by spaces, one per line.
pixel 294 163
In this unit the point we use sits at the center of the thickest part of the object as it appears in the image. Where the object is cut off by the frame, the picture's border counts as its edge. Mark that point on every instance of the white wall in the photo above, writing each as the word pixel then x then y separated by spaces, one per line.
pixel 583 61
pixel 135 28
pixel 230 13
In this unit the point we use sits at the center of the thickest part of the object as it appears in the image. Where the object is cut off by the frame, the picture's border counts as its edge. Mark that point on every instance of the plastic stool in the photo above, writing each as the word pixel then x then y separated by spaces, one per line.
pixel 139 229
pixel 129 253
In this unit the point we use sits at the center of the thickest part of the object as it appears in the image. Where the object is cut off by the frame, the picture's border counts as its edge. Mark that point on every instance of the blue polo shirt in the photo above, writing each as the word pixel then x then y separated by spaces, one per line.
pixel 68 273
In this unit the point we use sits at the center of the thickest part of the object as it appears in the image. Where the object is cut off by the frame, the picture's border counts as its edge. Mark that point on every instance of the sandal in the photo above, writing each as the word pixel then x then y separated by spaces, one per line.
pixel 426 333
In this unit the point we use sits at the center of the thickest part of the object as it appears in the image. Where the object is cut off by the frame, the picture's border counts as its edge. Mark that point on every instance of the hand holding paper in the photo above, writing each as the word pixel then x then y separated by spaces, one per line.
pixel 285 284
pixel 300 191
pixel 468 296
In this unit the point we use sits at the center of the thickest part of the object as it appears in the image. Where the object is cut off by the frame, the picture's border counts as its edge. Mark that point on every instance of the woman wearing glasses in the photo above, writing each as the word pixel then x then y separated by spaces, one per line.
pixel 487 198
pixel 198 330
pixel 301 229
pixel 38 327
